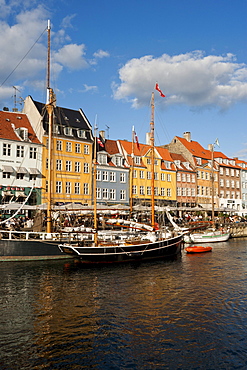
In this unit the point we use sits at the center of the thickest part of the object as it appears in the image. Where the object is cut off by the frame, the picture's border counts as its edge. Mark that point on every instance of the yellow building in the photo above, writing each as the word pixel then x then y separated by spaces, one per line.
pixel 138 159
pixel 72 150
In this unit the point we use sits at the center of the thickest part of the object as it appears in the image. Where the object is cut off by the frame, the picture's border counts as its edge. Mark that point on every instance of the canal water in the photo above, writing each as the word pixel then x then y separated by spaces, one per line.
pixel 185 313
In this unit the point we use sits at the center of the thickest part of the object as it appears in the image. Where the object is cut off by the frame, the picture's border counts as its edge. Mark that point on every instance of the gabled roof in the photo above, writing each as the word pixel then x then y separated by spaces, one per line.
pixel 182 160
pixel 11 121
pixel 65 117
pixel 195 148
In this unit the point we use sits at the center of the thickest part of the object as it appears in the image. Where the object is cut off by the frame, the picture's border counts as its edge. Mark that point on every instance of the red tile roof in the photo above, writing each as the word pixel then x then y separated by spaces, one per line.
pixel 9 121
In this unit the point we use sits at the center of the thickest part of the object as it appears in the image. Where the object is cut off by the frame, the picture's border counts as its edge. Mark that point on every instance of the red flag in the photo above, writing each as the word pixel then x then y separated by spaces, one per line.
pixel 137 142
pixel 158 89
pixel 100 142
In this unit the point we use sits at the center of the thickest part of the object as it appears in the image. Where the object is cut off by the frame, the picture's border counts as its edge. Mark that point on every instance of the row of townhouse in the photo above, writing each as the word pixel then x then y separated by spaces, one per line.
pixel 183 169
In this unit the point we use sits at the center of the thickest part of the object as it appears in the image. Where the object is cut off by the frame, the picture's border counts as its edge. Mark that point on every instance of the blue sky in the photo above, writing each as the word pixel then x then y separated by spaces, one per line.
pixel 108 55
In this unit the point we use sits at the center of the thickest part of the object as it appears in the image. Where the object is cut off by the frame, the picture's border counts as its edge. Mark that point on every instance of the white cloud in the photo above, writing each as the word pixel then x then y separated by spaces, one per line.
pixel 192 79
pixel 71 56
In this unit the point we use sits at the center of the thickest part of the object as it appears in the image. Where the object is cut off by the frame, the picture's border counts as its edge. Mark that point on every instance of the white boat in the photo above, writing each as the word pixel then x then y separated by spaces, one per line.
pixel 207 237
pixel 145 245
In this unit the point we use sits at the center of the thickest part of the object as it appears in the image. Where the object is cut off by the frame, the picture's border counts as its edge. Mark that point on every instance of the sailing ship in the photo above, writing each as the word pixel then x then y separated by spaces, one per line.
pixel 209 235
pixel 153 244
pixel 29 244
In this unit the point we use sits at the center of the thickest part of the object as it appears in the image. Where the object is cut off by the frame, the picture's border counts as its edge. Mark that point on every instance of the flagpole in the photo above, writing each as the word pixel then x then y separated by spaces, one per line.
pixel 131 173
pixel 95 185
pixel 152 159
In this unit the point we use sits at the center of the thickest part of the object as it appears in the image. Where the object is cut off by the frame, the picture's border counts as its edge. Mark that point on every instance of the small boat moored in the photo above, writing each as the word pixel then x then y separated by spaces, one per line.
pixel 198 249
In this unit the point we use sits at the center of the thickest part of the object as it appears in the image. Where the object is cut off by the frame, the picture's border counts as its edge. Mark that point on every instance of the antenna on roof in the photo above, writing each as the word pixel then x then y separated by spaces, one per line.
pixel 15 99
pixel 107 129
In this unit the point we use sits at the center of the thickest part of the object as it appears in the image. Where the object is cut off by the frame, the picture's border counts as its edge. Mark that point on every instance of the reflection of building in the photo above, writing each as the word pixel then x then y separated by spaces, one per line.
pixel 71 152
pixel 20 159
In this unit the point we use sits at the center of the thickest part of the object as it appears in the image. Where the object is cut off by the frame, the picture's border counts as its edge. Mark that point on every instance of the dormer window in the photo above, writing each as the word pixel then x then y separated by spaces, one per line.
pixel 23 133
pixel 137 160
pixel 68 131
pixel 102 158
pixel 56 129
pixel 81 134
pixel 117 161
pixel 199 161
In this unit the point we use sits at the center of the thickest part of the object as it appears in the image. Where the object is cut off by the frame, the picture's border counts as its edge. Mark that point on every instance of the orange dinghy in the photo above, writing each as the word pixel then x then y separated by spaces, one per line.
pixel 198 249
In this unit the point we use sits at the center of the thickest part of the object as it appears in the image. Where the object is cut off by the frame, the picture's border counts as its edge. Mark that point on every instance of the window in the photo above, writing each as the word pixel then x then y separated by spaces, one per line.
pixel 163 177
pixel 98 193
pixel 169 178
pixel 169 192
pixel 156 176
pixel 46 186
pixel 112 177
pixel 85 188
pixel 117 161
pixel 58 187
pixel 59 165
pixel 81 134
pixel 104 176
pixel 137 160
pixel 47 163
pixel 59 145
pixel 105 193
pixel 68 131
pixel 233 184
pixel 134 174
pixel 227 183
pixel 102 158
pixel 7 149
pixel 149 175
pixel 68 187
pixel 193 192
pixel 149 191
pixel 122 194
pixel 112 194
pixel 98 175
pixel 68 146
pixel 134 189
pixel 20 151
pixel 77 188
pixel 183 192
pixel 141 174
pixel 227 171
pixel 188 177
pixel 193 178
pixel 183 177
pixel 179 192
pixel 122 177
pixel 232 172
pixel 86 168
pixel 198 174
pixel 86 149
pixel 68 166
pixel 221 182
pixel 142 191
pixel 162 192
pixel 33 153
pixel 78 148
pixel 32 176
pixel 77 166
pixel 188 192
pixel 20 176
pixel 148 160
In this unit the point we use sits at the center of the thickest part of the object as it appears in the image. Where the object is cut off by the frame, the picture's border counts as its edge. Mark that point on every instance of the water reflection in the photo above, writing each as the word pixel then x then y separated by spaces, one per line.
pixel 184 313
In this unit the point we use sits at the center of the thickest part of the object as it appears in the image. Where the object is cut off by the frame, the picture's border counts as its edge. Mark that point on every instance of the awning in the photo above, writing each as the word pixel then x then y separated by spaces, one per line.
pixel 21 170
pixel 7 169
pixel 34 171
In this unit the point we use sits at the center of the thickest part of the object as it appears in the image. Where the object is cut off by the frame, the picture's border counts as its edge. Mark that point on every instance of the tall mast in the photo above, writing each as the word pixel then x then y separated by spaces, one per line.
pixel 152 159
pixel 131 173
pixel 95 185
pixel 212 181
pixel 49 107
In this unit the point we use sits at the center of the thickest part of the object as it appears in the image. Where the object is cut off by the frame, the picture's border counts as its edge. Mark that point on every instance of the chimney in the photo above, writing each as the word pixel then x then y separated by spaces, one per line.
pixel 187 136
pixel 210 147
